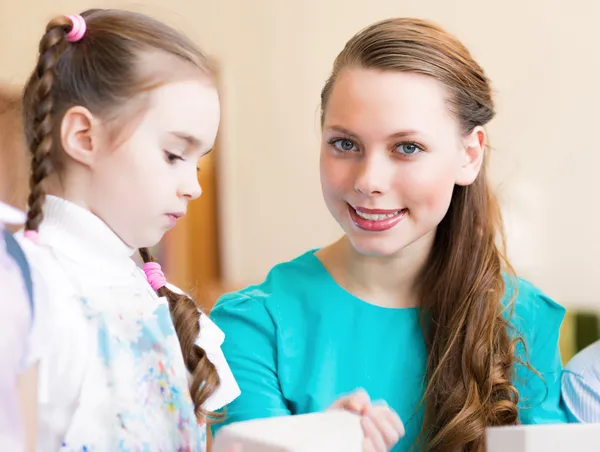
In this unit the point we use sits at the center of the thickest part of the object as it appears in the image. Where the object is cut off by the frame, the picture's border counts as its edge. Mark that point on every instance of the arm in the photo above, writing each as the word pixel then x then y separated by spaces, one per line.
pixel 250 347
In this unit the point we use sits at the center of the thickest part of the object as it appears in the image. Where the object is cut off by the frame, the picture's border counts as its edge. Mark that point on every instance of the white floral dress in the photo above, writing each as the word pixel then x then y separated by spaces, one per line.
pixel 115 379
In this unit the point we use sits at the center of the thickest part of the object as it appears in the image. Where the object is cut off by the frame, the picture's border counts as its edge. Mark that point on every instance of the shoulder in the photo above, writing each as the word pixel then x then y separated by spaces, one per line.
pixel 530 310
pixel 285 284
pixel 57 315
pixel 586 362
pixel 49 280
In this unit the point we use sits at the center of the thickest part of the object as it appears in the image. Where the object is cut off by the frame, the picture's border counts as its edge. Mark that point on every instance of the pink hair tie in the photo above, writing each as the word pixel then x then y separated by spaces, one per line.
pixel 154 275
pixel 31 235
pixel 78 28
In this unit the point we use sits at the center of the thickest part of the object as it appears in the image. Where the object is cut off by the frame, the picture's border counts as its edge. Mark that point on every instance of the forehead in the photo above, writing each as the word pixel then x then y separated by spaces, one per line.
pixel 188 106
pixel 374 101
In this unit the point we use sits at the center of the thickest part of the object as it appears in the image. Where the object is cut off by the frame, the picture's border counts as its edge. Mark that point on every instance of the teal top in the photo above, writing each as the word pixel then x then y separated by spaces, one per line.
pixel 299 341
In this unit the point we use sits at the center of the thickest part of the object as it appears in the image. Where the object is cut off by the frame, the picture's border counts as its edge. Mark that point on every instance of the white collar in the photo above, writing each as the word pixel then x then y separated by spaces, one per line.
pixel 79 234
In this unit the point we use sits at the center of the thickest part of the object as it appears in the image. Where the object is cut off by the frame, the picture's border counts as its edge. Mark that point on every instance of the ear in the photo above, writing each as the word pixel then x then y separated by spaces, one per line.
pixel 472 155
pixel 78 135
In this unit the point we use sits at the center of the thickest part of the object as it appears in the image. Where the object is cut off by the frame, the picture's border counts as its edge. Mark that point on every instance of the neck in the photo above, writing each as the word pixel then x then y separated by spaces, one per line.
pixel 389 281
pixel 68 189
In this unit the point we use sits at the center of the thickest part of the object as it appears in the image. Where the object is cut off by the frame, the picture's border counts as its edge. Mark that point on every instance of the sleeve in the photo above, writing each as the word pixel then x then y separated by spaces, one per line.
pixel 37 340
pixel 36 343
pixel 581 385
pixel 210 340
pixel 56 339
pixel 538 320
pixel 581 400
pixel 250 347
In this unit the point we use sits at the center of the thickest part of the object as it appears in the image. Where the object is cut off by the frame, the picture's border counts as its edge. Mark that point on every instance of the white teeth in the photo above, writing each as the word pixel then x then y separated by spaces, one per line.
pixel 377 216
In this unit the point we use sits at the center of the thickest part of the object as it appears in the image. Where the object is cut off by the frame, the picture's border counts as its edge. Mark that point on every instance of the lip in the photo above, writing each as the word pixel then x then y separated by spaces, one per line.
pixel 374 211
pixel 173 217
pixel 376 225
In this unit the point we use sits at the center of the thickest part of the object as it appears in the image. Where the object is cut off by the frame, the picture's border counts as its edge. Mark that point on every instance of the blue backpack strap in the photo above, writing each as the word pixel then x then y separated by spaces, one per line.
pixel 14 250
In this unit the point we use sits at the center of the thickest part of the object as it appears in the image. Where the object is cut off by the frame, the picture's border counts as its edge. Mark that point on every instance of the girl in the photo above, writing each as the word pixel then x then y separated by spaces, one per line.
pixel 118 112
pixel 416 303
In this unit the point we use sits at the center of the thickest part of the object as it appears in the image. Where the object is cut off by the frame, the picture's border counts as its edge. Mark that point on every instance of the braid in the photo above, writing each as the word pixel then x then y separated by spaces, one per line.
pixel 186 319
pixel 51 48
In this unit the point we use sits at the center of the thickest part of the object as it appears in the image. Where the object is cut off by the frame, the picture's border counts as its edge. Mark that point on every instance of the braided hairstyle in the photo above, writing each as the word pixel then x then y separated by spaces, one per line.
pixel 102 72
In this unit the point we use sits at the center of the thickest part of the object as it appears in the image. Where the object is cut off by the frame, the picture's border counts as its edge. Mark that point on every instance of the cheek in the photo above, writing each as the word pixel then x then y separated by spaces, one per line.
pixel 428 188
pixel 335 176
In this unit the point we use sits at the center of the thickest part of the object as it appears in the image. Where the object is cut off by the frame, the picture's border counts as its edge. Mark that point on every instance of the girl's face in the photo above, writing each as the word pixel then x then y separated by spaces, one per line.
pixel 391 154
pixel 140 188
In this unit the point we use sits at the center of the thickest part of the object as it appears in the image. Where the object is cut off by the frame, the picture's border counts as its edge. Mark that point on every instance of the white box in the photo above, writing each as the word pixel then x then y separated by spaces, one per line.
pixel 544 438
pixel 315 432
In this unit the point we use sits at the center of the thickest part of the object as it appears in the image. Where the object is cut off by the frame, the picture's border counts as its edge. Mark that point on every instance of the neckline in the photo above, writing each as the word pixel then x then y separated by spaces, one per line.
pixel 81 235
pixel 331 282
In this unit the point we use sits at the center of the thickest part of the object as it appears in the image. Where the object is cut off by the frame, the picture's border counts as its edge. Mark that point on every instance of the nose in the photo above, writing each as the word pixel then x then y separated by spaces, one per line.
pixel 374 175
pixel 190 187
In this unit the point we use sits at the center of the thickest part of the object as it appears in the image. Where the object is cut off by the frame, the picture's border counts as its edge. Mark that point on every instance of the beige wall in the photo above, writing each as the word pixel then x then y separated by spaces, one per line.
pixel 275 56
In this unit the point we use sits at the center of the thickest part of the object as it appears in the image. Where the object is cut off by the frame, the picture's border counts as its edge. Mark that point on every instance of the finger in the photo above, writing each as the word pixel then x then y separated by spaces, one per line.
pixel 396 422
pixel 367 446
pixel 382 419
pixel 384 426
pixel 358 402
pixel 373 434
pixel 392 416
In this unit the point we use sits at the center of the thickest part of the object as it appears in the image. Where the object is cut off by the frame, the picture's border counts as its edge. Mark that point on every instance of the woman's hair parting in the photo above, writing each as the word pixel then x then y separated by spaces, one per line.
pixel 471 355
pixel 94 60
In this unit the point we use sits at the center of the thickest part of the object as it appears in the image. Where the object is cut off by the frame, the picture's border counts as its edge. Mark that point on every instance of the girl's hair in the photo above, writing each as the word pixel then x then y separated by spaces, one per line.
pixel 470 353
pixel 104 72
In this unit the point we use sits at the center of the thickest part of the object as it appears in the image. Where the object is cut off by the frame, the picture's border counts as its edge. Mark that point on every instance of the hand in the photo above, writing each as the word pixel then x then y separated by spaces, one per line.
pixel 357 402
pixel 382 427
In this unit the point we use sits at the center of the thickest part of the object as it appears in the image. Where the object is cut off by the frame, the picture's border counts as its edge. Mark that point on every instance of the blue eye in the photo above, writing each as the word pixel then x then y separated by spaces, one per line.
pixel 343 145
pixel 409 148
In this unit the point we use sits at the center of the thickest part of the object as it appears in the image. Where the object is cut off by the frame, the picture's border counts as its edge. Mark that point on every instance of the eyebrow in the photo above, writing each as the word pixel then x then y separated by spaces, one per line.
pixel 399 134
pixel 192 141
pixel 189 139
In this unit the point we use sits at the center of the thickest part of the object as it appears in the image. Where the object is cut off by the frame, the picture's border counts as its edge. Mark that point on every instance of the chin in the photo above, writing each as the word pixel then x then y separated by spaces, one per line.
pixel 392 244
pixel 148 241
pixel 376 247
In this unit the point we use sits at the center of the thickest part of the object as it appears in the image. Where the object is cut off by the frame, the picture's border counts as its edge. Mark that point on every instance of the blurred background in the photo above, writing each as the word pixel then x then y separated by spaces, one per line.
pixel 262 201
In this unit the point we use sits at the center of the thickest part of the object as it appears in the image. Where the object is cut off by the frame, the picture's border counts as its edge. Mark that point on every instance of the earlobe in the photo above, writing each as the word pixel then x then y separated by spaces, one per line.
pixel 472 155
pixel 76 134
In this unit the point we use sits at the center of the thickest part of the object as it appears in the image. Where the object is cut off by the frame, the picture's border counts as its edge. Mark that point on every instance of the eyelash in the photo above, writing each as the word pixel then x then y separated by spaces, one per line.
pixel 172 158
pixel 332 142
